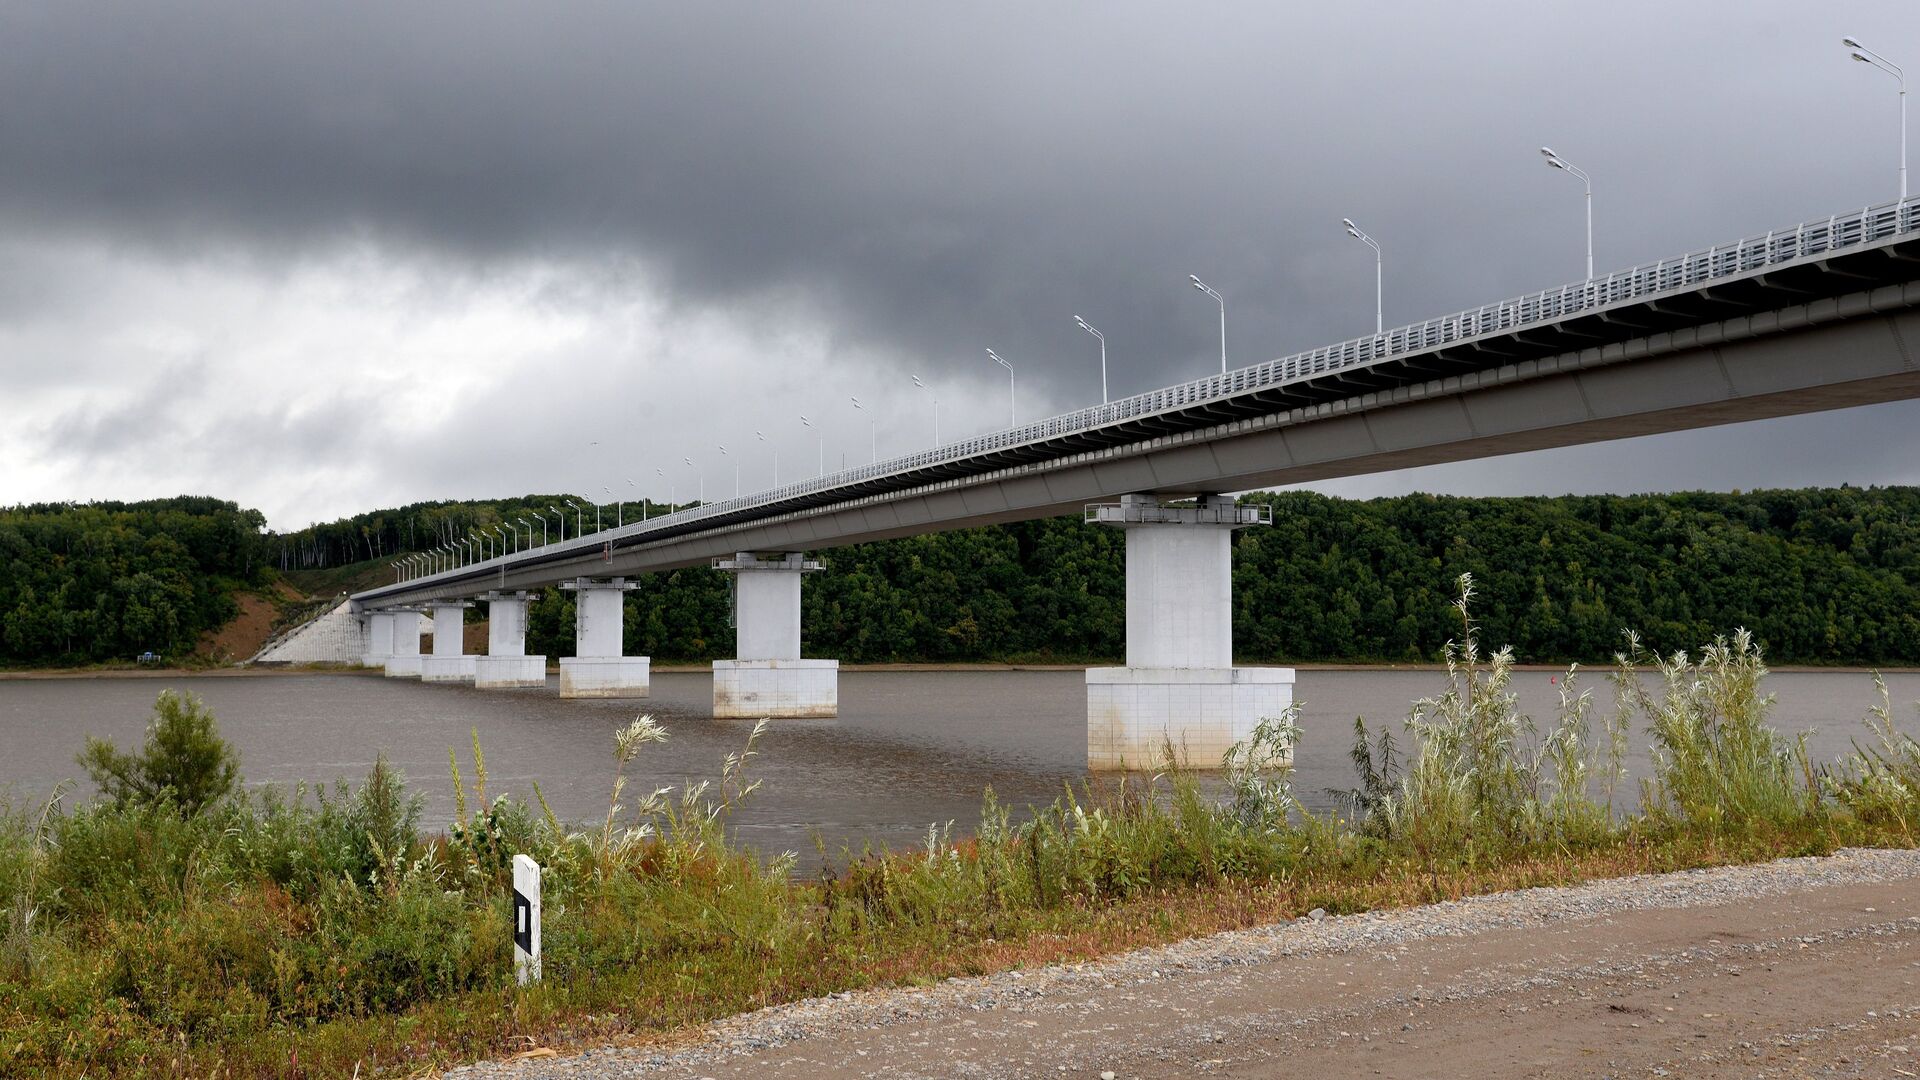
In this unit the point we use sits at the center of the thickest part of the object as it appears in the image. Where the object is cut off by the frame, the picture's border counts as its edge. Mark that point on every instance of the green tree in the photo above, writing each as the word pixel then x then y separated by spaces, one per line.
pixel 185 761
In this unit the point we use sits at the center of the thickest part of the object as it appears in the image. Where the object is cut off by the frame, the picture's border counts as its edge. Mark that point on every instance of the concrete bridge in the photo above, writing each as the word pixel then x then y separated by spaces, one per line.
pixel 1823 315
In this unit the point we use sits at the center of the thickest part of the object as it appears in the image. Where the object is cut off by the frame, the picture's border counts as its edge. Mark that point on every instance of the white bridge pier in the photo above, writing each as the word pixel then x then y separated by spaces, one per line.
pixel 1179 686
pixel 768 678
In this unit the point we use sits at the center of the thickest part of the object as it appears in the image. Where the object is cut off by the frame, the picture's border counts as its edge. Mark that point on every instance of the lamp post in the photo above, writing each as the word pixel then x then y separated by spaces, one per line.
pixel 762 436
pixel 579 519
pixel 562 518
pixel 998 359
pixel 936 408
pixel 1873 59
pixel 1557 162
pixel 543 531
pixel 634 489
pixel 1208 289
pixel 673 492
pixel 505 532
pixel 736 470
pixel 804 422
pixel 873 432
pixel 1088 327
pixel 1379 326
pixel 701 475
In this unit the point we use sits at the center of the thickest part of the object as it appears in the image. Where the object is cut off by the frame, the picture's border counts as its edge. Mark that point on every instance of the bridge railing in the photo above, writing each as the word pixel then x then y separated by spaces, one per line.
pixel 1687 271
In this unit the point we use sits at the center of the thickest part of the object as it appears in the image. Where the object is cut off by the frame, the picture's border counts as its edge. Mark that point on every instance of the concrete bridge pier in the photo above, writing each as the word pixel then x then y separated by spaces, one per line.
pixel 379 639
pixel 449 662
pixel 599 628
pixel 768 678
pixel 507 663
pixel 1179 685
pixel 404 661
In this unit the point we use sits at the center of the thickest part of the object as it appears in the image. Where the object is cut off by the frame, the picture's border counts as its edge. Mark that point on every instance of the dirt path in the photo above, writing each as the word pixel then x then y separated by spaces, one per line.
pixel 1800 968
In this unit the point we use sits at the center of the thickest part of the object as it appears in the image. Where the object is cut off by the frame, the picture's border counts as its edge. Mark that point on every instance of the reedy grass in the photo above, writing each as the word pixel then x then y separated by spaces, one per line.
pixel 324 929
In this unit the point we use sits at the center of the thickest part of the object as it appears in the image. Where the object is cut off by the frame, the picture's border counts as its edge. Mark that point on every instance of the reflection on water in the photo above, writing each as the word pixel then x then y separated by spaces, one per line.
pixel 908 749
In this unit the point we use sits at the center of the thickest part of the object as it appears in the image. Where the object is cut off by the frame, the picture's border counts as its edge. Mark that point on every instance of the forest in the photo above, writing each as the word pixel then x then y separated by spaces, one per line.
pixel 83 583
pixel 1821 576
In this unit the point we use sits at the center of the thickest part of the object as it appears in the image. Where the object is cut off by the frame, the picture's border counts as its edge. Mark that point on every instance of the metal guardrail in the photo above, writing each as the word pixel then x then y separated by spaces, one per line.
pixel 1780 246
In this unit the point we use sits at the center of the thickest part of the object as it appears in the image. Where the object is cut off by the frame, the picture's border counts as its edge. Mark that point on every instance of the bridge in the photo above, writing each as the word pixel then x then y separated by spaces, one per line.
pixel 1821 315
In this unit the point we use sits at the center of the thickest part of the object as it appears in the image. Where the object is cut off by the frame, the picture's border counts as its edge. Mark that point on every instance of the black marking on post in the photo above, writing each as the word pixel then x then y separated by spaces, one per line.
pixel 523 922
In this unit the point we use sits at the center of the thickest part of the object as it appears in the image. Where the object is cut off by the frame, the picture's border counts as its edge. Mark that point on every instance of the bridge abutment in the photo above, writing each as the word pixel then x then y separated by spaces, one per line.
pixel 404 661
pixel 1179 685
pixel 768 678
pixel 599 670
pixel 507 663
pixel 449 661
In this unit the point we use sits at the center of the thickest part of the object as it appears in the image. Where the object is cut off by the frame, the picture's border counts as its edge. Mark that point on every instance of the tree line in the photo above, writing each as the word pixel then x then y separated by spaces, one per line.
pixel 1820 576
pixel 110 580
pixel 1825 576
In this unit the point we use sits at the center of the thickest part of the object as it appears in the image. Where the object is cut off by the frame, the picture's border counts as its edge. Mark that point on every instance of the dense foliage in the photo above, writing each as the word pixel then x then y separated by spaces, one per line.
pixel 111 580
pixel 326 929
pixel 1818 576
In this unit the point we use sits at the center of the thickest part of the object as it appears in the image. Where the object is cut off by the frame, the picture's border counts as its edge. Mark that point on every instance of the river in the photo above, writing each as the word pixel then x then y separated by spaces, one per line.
pixel 909 748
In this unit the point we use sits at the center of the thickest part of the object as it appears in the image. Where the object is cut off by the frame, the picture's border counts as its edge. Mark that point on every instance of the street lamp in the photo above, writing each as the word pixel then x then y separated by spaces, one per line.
pixel 736 470
pixel 761 435
pixel 1379 326
pixel 1873 59
pixel 673 492
pixel 936 408
pixel 503 531
pixel 998 359
pixel 701 475
pixel 804 422
pixel 1205 288
pixel 634 489
pixel 543 531
pixel 1557 162
pixel 579 519
pixel 873 432
pixel 562 518
pixel 1088 327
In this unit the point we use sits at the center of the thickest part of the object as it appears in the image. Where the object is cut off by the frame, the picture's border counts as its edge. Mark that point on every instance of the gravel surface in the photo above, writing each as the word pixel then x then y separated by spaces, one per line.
pixel 1336 989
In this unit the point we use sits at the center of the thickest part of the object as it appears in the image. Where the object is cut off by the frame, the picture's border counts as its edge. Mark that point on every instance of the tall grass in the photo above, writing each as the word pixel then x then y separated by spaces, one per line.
pixel 141 938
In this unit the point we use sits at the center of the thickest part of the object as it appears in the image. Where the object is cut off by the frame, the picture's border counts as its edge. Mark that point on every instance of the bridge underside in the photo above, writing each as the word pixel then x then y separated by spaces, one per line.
pixel 1835 353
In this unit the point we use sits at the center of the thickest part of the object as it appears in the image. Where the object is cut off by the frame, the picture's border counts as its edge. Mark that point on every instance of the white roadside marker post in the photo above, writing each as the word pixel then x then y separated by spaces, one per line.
pixel 526 919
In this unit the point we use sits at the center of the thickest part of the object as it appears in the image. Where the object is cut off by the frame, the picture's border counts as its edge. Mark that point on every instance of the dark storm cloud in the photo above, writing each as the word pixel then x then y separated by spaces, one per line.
pixel 934 180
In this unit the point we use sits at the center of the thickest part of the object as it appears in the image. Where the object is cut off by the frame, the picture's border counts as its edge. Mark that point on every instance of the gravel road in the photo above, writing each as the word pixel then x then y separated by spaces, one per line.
pixel 1795 968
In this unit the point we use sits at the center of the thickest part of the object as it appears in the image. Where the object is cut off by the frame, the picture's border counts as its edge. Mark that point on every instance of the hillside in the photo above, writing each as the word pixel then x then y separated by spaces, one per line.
pixel 105 582
pixel 1822 576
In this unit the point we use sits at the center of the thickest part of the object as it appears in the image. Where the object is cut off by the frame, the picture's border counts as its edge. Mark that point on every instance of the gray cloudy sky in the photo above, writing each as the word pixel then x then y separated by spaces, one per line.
pixel 330 257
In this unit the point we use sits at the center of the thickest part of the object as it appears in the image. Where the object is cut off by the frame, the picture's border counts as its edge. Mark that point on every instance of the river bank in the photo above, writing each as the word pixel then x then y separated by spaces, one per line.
pixel 1726 971
pixel 356 934
pixel 553 668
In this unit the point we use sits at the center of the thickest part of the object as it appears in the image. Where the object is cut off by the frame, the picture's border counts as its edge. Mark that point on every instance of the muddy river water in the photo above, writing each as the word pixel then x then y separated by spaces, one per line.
pixel 908 749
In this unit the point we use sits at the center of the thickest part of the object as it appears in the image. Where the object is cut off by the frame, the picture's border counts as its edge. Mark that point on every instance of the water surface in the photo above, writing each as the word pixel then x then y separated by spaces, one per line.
pixel 909 748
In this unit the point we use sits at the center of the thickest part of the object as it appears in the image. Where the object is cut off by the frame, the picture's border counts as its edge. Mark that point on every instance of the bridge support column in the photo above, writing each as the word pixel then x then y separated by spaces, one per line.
pixel 379 639
pixel 769 679
pixel 449 662
pixel 404 661
pixel 507 663
pixel 1179 685
pixel 600 670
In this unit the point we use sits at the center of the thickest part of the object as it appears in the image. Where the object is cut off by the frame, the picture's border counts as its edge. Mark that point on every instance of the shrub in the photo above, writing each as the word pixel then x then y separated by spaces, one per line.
pixel 1716 762
pixel 185 762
